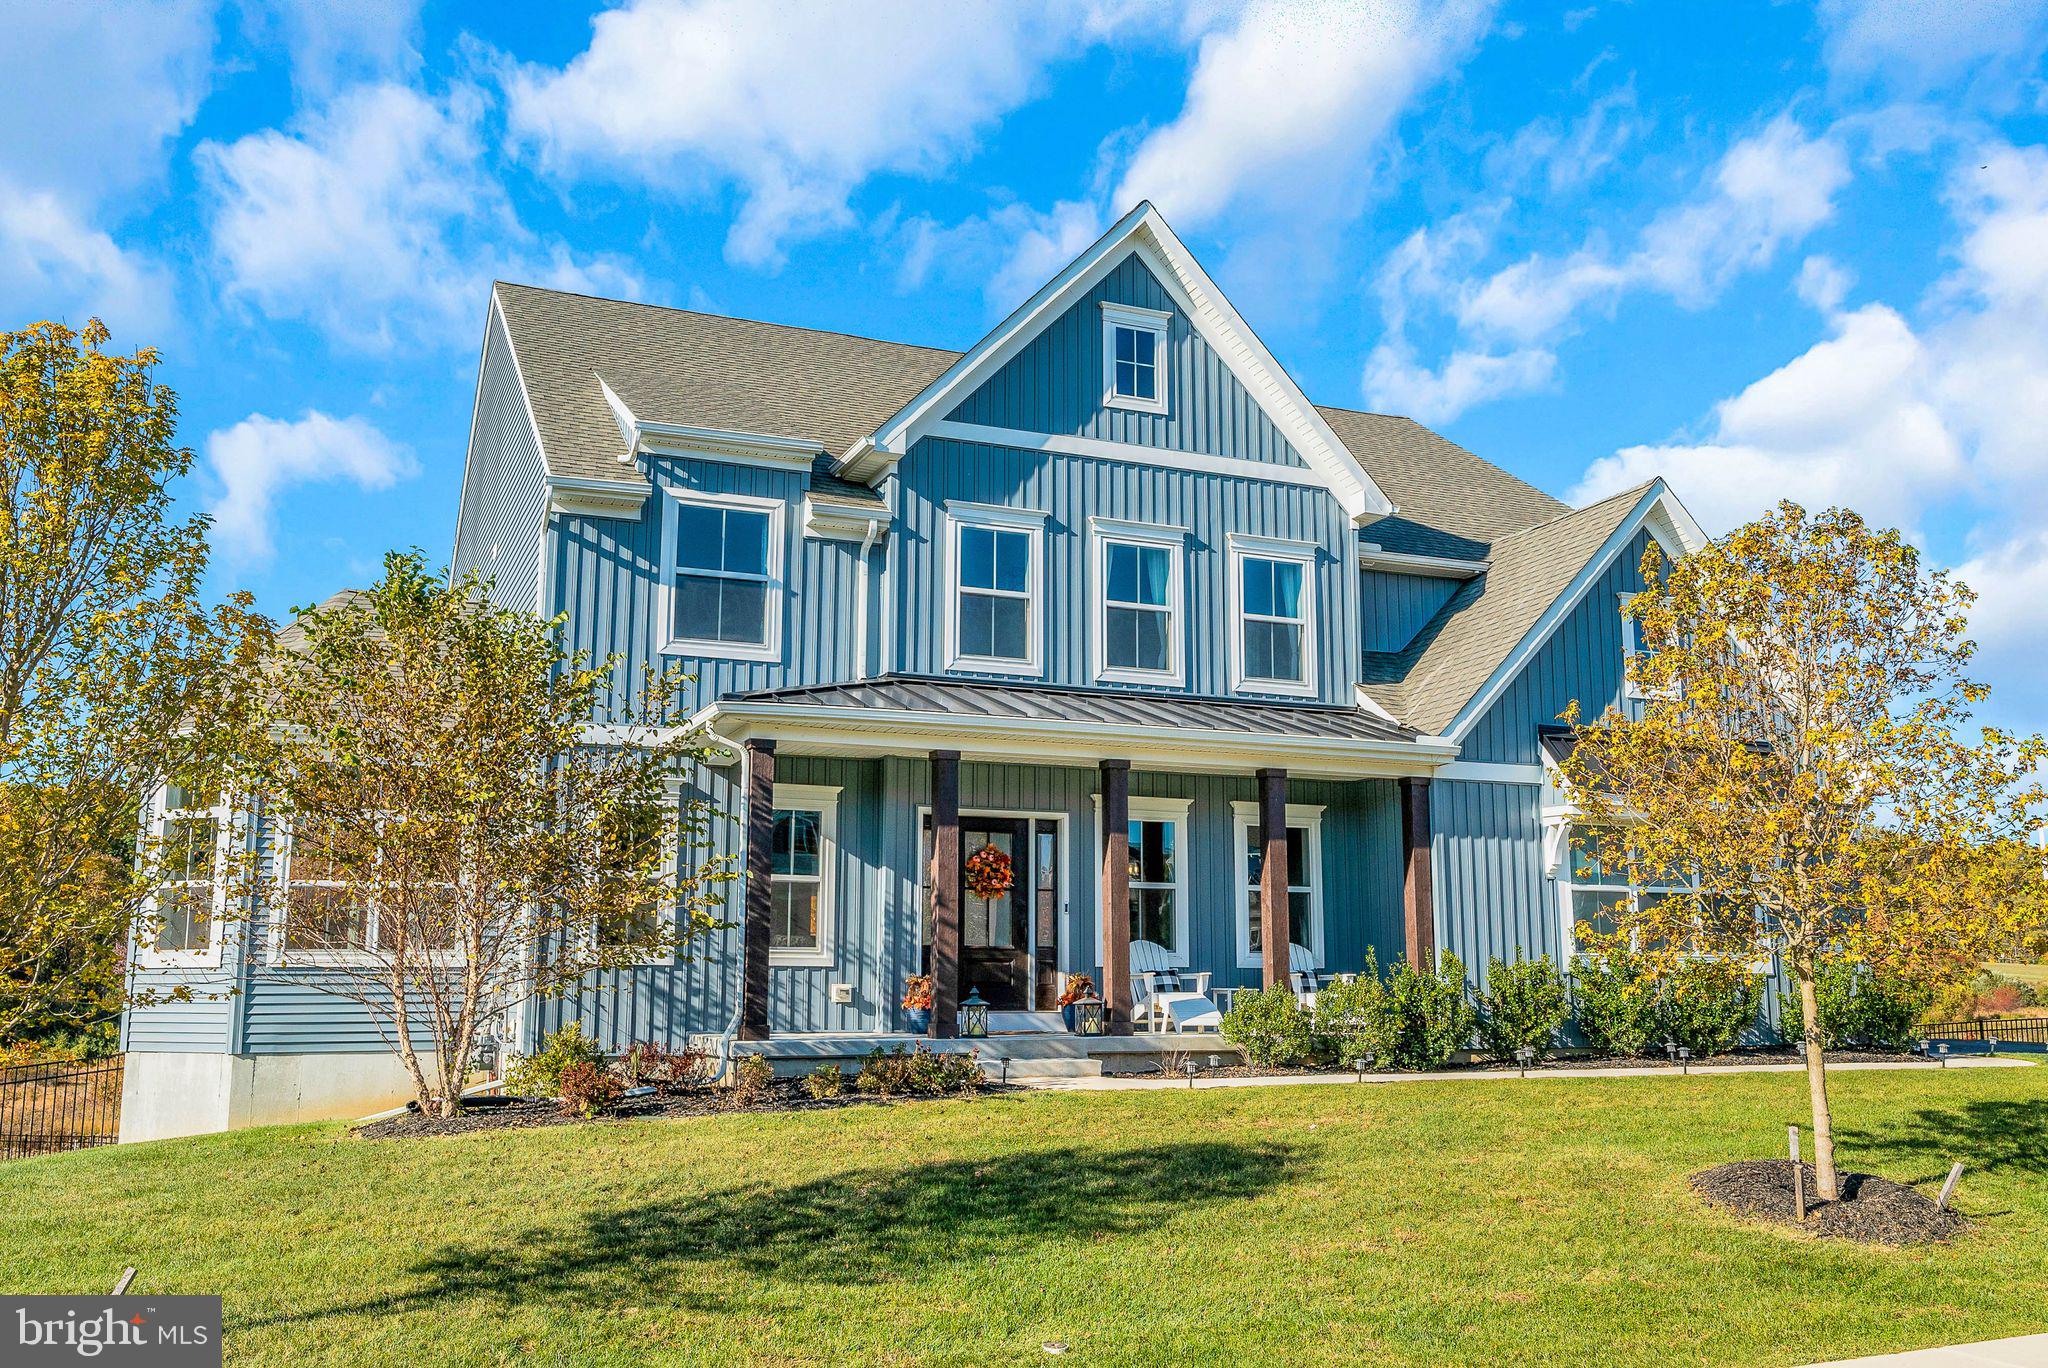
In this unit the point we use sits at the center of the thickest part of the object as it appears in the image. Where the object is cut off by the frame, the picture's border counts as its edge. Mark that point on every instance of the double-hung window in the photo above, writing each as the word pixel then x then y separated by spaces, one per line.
pixel 326 907
pixel 1134 357
pixel 801 853
pixel 643 832
pixel 1600 889
pixel 725 576
pixel 1138 613
pixel 189 829
pixel 1272 591
pixel 1634 651
pixel 997 557
pixel 1158 909
pixel 1304 881
pixel 367 886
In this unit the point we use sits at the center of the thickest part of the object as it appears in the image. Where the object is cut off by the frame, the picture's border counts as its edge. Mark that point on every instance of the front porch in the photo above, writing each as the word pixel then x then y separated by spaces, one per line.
pixel 1229 832
pixel 1004 1056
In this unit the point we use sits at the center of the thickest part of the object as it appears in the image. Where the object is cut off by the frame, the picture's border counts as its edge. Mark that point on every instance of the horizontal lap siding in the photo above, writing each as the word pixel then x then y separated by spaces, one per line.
pixel 1071 489
pixel 1492 898
pixel 1582 660
pixel 504 498
pixel 1055 384
pixel 1393 608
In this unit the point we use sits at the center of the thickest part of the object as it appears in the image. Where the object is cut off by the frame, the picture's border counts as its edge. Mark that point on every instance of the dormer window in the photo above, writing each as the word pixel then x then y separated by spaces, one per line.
pixel 1134 357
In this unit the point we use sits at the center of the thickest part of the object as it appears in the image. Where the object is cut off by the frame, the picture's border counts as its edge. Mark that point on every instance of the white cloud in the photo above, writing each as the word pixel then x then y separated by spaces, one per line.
pixel 1919 46
pixel 376 220
pixel 331 45
pixel 258 458
pixel 1289 109
pixel 1767 192
pixel 1824 283
pixel 795 106
pixel 54 262
pixel 1008 252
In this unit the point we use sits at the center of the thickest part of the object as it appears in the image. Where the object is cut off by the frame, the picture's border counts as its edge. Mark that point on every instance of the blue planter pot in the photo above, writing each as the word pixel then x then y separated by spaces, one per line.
pixel 1067 1015
pixel 918 1019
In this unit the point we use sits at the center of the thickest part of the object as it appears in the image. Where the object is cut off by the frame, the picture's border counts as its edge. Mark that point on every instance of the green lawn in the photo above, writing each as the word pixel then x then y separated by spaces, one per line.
pixel 1467 1222
pixel 2036 974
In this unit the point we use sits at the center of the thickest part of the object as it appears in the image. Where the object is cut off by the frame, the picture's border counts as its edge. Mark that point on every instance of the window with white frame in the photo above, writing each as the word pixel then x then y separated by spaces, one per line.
pixel 341 894
pixel 1138 575
pixel 645 830
pixel 1304 880
pixel 1158 908
pixel 996 555
pixel 725 576
pixel 1633 650
pixel 1599 890
pixel 801 855
pixel 1272 590
pixel 1134 357
pixel 189 830
pixel 324 909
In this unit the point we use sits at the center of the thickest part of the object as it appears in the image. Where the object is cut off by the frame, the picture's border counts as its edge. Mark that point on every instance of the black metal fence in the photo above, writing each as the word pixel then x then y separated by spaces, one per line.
pixel 2015 1030
pixel 49 1107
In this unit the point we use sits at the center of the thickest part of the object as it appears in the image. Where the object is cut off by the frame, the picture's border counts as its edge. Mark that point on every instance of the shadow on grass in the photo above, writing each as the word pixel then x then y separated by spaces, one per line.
pixel 849 1228
pixel 1990 1136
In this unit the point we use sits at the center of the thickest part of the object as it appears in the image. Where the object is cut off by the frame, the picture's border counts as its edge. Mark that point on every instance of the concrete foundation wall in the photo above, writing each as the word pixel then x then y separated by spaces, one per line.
pixel 167 1094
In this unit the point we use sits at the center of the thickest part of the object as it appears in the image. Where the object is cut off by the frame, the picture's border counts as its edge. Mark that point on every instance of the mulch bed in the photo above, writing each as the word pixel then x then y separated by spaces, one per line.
pixel 1553 1064
pixel 1872 1210
pixel 525 1113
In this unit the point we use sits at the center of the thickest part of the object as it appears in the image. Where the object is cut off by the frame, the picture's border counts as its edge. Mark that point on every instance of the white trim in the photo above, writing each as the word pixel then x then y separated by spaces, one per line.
pixel 1175 811
pixel 822 799
pixel 1158 323
pixel 1037 817
pixel 1677 523
pixel 1030 522
pixel 770 649
pixel 1372 557
pixel 1244 820
pixel 278 889
pixel 1142 232
pixel 1487 772
pixel 578 497
pixel 729 445
pixel 1243 547
pixel 225 829
pixel 838 522
pixel 1128 453
pixel 1104 532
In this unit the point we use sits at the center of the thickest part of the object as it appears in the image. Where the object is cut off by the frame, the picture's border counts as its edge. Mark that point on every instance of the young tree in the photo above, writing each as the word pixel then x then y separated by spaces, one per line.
pixel 1804 765
pixel 113 675
pixel 453 842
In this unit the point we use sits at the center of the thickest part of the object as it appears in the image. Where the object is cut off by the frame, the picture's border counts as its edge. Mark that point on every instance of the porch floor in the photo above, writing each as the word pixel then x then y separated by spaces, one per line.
pixel 1027 1054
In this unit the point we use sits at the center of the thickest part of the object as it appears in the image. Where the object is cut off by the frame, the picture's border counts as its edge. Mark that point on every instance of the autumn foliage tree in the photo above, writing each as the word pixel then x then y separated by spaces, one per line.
pixel 463 820
pixel 1805 765
pixel 114 674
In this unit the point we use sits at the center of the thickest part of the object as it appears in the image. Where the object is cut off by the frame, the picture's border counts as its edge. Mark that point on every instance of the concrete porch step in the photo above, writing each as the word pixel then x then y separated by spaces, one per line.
pixel 1023 1070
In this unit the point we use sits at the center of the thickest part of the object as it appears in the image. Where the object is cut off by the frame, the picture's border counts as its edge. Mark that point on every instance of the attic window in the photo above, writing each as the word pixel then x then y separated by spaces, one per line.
pixel 1134 357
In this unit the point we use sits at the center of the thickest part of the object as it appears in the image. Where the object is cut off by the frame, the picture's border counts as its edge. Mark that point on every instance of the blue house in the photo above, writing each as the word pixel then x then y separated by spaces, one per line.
pixel 1222 671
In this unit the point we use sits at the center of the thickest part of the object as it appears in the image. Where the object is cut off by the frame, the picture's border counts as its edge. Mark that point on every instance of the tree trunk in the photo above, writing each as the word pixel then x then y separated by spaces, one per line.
pixel 1817 1089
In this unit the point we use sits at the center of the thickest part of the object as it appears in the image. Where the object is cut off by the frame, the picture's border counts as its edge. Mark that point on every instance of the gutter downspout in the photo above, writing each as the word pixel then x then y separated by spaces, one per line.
pixel 860 619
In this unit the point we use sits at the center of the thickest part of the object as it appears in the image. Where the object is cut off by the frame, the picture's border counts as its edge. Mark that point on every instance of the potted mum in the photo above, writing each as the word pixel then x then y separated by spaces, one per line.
pixel 917 1002
pixel 1079 986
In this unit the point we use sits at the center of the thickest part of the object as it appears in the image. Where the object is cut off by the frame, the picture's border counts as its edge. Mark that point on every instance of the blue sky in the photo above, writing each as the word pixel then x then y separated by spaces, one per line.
pixel 1765 249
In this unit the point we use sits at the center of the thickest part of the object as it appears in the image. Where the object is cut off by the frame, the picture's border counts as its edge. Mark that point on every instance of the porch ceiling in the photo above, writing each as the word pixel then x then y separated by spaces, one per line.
pixel 909 715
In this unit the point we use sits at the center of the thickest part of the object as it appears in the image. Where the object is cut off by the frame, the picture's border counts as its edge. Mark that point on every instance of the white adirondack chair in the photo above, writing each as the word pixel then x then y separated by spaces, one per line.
pixel 1302 975
pixel 1165 998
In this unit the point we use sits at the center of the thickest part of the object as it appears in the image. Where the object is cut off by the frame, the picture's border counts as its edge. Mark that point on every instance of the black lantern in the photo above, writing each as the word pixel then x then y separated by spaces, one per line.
pixel 1088 1019
pixel 974 1016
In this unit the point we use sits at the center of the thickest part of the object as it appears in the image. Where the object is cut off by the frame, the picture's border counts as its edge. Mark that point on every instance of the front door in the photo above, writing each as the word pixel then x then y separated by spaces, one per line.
pixel 995 933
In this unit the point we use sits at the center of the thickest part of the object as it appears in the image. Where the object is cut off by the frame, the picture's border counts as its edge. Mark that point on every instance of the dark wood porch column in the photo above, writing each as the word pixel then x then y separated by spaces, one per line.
pixel 760 889
pixel 1275 933
pixel 945 886
pixel 1116 895
pixel 1418 895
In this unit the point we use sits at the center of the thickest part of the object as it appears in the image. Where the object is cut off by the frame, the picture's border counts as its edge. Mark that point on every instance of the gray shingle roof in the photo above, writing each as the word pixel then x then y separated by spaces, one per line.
pixel 1426 683
pixel 1450 502
pixel 974 698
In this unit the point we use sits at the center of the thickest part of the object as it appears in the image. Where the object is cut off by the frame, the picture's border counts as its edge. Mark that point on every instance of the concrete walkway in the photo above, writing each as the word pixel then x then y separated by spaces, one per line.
pixel 1112 1082
pixel 2028 1351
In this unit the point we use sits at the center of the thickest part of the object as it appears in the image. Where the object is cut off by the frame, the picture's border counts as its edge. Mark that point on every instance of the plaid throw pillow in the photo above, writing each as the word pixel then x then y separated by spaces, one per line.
pixel 1164 980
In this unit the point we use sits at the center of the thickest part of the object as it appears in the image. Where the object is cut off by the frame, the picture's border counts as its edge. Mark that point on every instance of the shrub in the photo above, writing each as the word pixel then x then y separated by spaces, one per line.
pixel 657 1066
pixel 1951 1002
pixel 752 1076
pixel 540 1074
pixel 1428 1018
pixel 825 1081
pixel 1523 1004
pixel 1351 1018
pixel 900 1072
pixel 589 1090
pixel 1614 1001
pixel 1706 1004
pixel 1859 1006
pixel 1271 1028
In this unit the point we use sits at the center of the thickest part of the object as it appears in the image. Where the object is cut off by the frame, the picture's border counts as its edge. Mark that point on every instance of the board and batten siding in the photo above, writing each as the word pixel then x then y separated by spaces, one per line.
pixel 1054 384
pixel 1492 898
pixel 504 490
pixel 1582 660
pixel 1071 489
pixel 608 577
pixel 1393 607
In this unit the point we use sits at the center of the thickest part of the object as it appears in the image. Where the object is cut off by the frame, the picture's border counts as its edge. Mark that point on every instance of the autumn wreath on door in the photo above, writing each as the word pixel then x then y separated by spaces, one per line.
pixel 989 873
